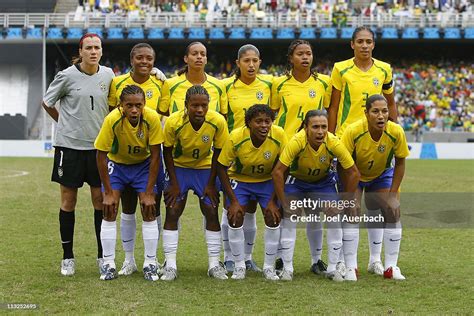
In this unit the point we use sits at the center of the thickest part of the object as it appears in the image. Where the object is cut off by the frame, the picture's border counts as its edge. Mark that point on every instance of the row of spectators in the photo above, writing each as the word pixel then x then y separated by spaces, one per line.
pixel 430 97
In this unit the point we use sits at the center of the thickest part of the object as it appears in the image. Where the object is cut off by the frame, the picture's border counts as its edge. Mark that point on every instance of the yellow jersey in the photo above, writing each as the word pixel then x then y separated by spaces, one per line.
pixel 356 86
pixel 241 96
pixel 125 143
pixel 292 99
pixel 151 87
pixel 311 165
pixel 193 149
pixel 372 158
pixel 174 90
pixel 250 164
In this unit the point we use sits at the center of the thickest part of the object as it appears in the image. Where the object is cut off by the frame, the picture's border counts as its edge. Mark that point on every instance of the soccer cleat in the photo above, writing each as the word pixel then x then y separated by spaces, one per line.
pixel 128 267
pixel 319 267
pixel 376 268
pixel 150 272
pixel 279 265
pixel 169 274
pixel 108 272
pixel 218 272
pixel 393 273
pixel 270 274
pixel 341 267
pixel 251 265
pixel 351 274
pixel 100 262
pixel 286 275
pixel 229 266
pixel 68 267
pixel 335 276
pixel 239 274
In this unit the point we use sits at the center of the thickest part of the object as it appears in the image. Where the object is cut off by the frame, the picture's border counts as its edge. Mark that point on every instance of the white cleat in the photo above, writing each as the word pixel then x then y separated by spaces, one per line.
pixel 238 274
pixel 393 273
pixel 169 274
pixel 335 276
pixel 376 268
pixel 128 268
pixel 218 272
pixel 68 267
pixel 270 274
pixel 100 263
pixel 150 272
pixel 341 267
pixel 108 272
pixel 286 275
pixel 351 274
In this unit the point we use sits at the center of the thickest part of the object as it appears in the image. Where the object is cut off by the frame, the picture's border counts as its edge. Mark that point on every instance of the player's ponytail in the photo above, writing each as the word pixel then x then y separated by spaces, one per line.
pixel 311 114
pixel 243 50
pixel 185 68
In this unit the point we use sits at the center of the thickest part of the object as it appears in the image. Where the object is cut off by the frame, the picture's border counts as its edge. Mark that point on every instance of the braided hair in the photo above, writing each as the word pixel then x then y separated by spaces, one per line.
pixel 195 90
pixel 291 50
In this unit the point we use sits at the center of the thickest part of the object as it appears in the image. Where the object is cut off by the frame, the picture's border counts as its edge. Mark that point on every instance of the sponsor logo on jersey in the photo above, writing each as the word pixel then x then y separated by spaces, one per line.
pixel 140 134
pixel 267 155
pixel 259 95
pixel 381 148
pixel 323 159
pixel 205 138
pixel 376 82
pixel 103 87
pixel 312 93
pixel 149 94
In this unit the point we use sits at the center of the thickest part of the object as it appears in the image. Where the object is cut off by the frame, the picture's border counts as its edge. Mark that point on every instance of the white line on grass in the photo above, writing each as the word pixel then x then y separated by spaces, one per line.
pixel 16 173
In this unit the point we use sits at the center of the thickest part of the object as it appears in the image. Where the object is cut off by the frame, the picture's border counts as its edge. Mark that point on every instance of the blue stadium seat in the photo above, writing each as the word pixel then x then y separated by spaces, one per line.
pixel 14 33
pixel 469 33
pixel 176 33
pixel 156 33
pixel 74 33
pixel 261 33
pixel 197 33
pixel 115 33
pixel 96 30
pixel 54 33
pixel 389 33
pixel 307 33
pixel 410 33
pixel 286 33
pixel 217 33
pixel 328 33
pixel 237 33
pixel 34 32
pixel 431 33
pixel 346 32
pixel 136 33
pixel 452 33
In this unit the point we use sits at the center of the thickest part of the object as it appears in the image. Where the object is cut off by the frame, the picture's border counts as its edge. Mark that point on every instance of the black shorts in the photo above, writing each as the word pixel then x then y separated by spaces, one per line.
pixel 74 167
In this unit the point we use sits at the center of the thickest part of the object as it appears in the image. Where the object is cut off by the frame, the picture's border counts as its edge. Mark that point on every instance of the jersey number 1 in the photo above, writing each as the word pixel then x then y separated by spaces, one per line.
pixel 92 103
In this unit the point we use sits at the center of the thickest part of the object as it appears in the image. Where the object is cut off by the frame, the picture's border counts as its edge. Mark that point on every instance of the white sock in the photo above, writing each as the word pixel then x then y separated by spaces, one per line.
pixel 225 236
pixel 150 241
pixel 375 236
pixel 271 237
pixel 170 246
pixel 160 229
pixel 350 243
pixel 236 242
pixel 108 237
pixel 314 232
pixel 334 242
pixel 250 232
pixel 128 230
pixel 341 256
pixel 287 243
pixel 392 237
pixel 213 240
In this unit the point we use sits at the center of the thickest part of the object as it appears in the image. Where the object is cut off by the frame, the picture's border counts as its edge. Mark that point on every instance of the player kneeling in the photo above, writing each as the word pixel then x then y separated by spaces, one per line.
pixel 128 154
pixel 250 153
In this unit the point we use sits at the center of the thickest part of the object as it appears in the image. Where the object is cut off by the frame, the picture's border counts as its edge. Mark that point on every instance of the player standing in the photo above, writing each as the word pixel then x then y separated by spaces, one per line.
pixel 82 90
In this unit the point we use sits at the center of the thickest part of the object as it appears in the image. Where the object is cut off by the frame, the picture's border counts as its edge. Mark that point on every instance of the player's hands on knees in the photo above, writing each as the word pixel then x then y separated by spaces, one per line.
pixel 172 195
pixel 353 210
pixel 392 207
pixel 235 213
pixel 211 192
pixel 148 204
pixel 273 213
pixel 110 205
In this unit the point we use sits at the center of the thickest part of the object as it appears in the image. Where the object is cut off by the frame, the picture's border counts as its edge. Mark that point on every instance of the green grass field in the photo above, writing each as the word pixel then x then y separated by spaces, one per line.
pixel 438 263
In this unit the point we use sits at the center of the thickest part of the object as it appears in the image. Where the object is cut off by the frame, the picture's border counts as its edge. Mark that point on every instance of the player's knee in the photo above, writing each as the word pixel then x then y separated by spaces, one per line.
pixel 270 221
pixel 110 215
pixel 239 222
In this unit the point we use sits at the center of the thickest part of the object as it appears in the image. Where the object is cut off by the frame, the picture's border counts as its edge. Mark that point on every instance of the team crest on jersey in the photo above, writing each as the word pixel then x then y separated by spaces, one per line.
pixel 60 172
pixel 381 148
pixel 322 159
pixel 376 82
pixel 259 95
pixel 103 87
pixel 267 155
pixel 205 138
pixel 149 94
pixel 312 93
pixel 140 134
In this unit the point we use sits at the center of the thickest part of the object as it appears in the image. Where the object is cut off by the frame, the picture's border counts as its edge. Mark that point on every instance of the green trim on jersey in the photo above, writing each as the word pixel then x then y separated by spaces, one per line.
pixel 181 127
pixel 389 158
pixel 346 70
pixel 236 147
pixel 268 83
pixel 238 166
pixel 212 124
pixel 178 150
pixel 324 83
pixel 320 105
pixel 117 86
pixel 346 105
pixel 176 86
pixel 282 120
pixel 217 87
pixel 393 139
pixel 274 140
pixel 175 107
pixel 230 118
pixel 330 152
pixel 358 137
pixel 383 70
pixel 156 85
pixel 281 84
pixel 228 86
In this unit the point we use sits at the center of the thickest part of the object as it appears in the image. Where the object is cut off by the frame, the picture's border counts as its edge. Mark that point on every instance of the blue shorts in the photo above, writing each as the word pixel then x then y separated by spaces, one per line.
pixel 135 176
pixel 384 181
pixel 324 188
pixel 246 191
pixel 192 179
